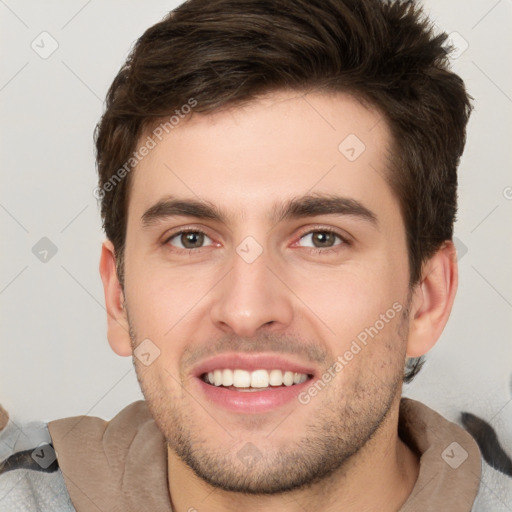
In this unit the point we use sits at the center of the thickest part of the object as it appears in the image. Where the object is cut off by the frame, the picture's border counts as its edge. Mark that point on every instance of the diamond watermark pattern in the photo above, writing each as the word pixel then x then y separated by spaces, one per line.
pixel 454 455
pixel 457 44
pixel 249 455
pixel 44 250
pixel 44 45
pixel 44 455
pixel 249 249
pixel 351 147
pixel 461 248
pixel 146 352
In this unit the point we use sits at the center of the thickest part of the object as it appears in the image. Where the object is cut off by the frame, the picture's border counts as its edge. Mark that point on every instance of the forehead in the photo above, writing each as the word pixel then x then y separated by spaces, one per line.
pixel 286 144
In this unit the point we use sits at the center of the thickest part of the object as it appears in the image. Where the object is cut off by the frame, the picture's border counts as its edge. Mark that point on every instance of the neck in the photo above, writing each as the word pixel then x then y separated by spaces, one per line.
pixel 380 476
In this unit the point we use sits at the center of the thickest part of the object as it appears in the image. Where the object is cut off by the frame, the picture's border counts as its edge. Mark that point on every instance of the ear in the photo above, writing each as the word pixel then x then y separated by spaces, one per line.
pixel 432 300
pixel 117 320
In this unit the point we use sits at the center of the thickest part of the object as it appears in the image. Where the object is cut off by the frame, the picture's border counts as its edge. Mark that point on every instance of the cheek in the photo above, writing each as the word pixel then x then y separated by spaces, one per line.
pixel 162 296
pixel 350 298
pixel 166 306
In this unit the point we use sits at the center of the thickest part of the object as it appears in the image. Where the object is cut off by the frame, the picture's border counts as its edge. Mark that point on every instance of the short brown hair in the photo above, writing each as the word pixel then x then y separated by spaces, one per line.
pixel 226 52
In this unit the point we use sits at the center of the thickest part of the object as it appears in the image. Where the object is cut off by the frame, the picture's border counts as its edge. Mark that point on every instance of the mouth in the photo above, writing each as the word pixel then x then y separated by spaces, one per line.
pixel 252 383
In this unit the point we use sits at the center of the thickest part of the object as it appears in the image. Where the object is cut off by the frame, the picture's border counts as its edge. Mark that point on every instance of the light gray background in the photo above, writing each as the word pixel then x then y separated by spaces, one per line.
pixel 54 357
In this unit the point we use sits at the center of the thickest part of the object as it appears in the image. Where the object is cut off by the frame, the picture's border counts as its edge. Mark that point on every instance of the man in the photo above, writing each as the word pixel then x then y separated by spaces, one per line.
pixel 278 190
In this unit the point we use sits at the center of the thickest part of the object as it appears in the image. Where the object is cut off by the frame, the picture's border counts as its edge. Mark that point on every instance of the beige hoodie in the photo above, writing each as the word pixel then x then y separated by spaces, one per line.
pixel 121 465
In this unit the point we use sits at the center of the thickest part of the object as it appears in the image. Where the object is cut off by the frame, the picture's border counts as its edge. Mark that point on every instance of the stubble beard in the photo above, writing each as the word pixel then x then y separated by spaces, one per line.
pixel 331 438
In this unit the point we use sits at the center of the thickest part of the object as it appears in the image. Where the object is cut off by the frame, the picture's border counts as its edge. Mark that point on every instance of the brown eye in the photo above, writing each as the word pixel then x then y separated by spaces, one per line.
pixel 189 240
pixel 321 239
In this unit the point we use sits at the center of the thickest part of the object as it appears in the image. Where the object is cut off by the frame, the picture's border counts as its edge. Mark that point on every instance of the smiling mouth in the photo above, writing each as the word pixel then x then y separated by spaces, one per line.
pixel 257 380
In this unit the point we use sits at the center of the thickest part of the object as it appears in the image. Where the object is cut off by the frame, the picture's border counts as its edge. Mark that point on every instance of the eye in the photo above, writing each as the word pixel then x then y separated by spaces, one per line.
pixel 189 240
pixel 321 239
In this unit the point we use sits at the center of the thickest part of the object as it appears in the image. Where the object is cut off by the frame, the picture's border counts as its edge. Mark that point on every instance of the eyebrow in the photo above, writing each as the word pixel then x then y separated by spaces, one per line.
pixel 304 206
pixel 171 207
pixel 312 205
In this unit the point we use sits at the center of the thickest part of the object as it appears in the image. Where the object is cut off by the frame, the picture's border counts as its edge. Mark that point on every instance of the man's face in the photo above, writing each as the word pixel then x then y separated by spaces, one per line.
pixel 295 259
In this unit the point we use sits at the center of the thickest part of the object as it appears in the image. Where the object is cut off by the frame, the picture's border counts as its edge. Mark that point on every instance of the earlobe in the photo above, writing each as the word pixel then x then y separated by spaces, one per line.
pixel 432 300
pixel 117 321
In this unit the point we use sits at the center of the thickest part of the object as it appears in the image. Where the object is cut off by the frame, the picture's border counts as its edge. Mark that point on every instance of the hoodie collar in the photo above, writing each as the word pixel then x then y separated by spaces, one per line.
pixel 117 465
pixel 121 464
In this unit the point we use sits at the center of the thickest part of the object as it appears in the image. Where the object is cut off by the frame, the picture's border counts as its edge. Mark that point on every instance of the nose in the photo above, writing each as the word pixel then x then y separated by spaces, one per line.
pixel 251 297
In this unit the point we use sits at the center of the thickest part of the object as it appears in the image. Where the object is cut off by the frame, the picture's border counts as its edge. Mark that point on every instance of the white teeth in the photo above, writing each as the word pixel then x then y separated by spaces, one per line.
pixel 241 379
pixel 299 378
pixel 275 378
pixel 259 379
pixel 227 377
pixel 288 378
pixel 256 379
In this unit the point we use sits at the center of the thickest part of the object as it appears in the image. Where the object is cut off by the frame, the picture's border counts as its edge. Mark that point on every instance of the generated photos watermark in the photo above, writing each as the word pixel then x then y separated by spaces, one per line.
pixel 358 343
pixel 145 148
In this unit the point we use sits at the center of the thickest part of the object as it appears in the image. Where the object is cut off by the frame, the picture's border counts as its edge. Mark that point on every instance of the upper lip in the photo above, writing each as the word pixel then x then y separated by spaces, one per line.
pixel 251 362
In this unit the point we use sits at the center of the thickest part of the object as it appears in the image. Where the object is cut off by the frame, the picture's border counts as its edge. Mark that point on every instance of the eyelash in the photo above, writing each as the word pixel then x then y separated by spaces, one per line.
pixel 315 250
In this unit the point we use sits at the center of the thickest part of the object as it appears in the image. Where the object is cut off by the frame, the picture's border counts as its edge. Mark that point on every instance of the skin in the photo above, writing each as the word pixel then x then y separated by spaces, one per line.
pixel 307 303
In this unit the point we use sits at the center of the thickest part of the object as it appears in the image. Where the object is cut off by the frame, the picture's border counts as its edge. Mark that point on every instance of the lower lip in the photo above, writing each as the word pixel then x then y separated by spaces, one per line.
pixel 255 402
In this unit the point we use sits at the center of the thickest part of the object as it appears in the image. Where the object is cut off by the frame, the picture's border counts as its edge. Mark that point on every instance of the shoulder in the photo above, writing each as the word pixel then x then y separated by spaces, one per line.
pixel 30 478
pixel 473 449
